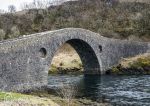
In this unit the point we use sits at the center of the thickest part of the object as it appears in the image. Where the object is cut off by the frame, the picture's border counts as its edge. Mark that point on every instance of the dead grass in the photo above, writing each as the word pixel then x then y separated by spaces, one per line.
pixel 126 62
pixel 66 57
pixel 17 99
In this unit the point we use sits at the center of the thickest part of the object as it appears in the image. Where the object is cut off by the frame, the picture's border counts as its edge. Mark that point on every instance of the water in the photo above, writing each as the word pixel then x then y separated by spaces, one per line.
pixel 118 90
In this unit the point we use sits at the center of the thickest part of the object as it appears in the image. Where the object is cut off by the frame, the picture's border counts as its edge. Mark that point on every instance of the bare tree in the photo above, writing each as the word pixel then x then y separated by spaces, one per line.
pixel 11 8
pixel 36 4
pixel 25 6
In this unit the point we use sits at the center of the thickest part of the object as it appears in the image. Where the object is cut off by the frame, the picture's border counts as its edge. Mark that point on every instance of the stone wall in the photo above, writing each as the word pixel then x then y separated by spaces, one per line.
pixel 24 62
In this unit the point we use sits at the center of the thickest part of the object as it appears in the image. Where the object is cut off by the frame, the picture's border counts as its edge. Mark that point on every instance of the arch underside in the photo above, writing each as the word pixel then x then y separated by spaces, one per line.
pixel 87 56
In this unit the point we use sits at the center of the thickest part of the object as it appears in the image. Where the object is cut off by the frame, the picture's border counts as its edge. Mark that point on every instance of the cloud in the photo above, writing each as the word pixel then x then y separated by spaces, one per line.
pixel 17 3
pixel 5 3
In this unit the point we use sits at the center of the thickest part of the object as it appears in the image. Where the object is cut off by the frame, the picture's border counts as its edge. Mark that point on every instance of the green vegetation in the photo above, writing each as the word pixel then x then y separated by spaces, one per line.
pixel 74 67
pixel 53 70
pixel 17 99
pixel 10 96
pixel 43 98
pixel 139 64
pixel 123 20
pixel 63 100
pixel 66 61
pixel 115 70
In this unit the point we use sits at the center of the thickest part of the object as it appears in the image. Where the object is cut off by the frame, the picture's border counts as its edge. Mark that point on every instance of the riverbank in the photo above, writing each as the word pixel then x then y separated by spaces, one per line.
pixel 121 90
pixel 66 61
pixel 68 101
pixel 43 99
pixel 17 99
pixel 138 65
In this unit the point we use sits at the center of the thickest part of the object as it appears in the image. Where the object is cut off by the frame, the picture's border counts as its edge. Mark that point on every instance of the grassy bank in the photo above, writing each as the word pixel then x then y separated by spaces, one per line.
pixel 69 100
pixel 138 65
pixel 66 61
pixel 17 99
pixel 43 99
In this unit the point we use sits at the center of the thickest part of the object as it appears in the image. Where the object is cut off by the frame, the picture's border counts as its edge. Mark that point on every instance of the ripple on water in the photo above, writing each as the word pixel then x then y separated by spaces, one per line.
pixel 119 90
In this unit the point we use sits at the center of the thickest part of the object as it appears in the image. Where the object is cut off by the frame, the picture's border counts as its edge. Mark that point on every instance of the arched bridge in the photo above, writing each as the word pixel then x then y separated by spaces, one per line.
pixel 25 61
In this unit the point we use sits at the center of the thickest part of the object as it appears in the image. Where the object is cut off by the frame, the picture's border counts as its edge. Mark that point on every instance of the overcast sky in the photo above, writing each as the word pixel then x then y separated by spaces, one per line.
pixel 17 3
pixel 5 3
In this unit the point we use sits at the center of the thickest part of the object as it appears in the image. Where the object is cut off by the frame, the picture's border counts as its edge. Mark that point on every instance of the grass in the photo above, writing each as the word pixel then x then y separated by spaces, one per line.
pixel 139 64
pixel 44 99
pixel 66 61
pixel 142 60
pixel 75 101
pixel 10 96
pixel 13 99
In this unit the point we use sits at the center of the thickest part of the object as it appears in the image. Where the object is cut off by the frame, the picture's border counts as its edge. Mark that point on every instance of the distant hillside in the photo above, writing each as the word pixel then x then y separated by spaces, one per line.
pixel 142 1
pixel 110 18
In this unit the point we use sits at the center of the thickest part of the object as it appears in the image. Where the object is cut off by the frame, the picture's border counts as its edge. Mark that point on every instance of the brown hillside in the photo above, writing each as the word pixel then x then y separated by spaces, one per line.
pixel 122 20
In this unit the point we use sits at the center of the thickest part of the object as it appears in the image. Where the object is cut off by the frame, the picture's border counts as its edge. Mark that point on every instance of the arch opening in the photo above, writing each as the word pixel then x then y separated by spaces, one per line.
pixel 81 52
pixel 42 52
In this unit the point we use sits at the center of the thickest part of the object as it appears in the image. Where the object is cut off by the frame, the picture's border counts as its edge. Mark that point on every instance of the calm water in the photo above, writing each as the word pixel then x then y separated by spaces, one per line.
pixel 118 90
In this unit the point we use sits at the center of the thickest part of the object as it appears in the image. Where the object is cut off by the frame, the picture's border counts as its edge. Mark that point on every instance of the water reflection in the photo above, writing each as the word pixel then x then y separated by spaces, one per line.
pixel 89 86
pixel 119 90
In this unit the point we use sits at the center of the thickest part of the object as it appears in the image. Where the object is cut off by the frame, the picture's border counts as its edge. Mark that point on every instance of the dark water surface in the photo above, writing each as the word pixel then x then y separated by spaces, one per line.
pixel 118 90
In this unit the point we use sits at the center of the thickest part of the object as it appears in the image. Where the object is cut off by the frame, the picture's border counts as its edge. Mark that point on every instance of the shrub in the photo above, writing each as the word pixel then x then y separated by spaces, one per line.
pixel 115 70
pixel 38 19
pixel 2 34
pixel 53 69
pixel 107 17
pixel 14 32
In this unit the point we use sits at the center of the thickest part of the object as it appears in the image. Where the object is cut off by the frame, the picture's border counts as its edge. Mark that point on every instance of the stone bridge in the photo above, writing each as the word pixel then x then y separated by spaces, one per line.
pixel 25 61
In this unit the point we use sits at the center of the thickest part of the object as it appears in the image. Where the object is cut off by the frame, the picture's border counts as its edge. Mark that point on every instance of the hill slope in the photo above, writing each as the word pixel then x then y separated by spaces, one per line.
pixel 123 20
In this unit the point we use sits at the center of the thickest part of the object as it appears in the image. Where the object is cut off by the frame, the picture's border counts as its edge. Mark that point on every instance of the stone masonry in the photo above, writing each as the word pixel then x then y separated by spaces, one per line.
pixel 25 61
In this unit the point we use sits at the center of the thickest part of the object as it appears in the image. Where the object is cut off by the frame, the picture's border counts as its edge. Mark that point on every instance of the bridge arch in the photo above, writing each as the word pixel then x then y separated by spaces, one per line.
pixel 86 53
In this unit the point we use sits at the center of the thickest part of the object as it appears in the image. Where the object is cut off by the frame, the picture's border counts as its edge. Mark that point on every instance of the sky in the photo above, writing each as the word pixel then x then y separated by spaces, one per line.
pixel 17 3
pixel 5 3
